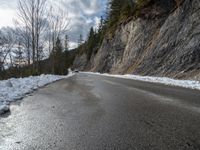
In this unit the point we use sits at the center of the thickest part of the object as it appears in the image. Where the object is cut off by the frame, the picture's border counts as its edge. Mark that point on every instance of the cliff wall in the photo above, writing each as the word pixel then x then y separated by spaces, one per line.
pixel 163 41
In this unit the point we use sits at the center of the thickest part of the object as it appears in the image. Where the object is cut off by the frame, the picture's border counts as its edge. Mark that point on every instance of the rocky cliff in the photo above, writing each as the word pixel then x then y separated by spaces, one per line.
pixel 164 40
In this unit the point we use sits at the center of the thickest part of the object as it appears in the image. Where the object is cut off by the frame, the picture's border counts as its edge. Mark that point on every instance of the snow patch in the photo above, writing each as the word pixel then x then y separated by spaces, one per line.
pixel 164 80
pixel 15 89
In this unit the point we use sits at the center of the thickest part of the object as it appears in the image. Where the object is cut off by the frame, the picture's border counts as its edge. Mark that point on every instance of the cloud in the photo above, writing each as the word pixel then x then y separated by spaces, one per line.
pixel 11 4
pixel 72 45
pixel 6 20
pixel 83 14
pixel 7 12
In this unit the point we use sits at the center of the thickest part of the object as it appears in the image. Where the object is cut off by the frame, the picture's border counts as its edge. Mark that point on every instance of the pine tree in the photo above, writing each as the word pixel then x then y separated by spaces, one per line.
pixel 101 24
pixel 115 10
pixel 120 10
pixel 91 34
pixel 92 41
pixel 1 59
pixel 80 40
pixel 66 44
pixel 58 58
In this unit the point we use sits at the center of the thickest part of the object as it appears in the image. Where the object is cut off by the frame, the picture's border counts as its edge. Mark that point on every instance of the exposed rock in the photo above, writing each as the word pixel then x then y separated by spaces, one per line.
pixel 163 41
pixel 4 109
pixel 80 62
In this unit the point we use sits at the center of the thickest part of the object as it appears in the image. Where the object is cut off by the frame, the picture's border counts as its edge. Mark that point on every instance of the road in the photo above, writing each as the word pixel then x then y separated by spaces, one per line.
pixel 91 112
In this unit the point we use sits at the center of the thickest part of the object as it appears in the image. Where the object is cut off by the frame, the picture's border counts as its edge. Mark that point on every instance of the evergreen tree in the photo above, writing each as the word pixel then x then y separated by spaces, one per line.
pixel 66 43
pixel 80 40
pixel 58 58
pixel 1 61
pixel 115 11
pixel 120 10
pixel 101 24
pixel 91 43
pixel 91 34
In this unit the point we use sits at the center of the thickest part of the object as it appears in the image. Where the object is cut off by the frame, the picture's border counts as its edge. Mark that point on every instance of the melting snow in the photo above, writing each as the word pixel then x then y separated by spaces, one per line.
pixel 14 89
pixel 167 81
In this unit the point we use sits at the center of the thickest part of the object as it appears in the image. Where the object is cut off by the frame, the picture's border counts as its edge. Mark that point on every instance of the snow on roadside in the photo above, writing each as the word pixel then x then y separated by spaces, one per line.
pixel 164 80
pixel 14 89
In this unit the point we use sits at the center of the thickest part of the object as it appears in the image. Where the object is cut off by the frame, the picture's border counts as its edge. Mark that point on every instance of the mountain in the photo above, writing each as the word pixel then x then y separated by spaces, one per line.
pixel 162 40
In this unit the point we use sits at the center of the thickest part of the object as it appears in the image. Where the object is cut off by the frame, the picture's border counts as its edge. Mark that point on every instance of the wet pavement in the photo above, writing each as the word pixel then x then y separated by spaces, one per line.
pixel 91 112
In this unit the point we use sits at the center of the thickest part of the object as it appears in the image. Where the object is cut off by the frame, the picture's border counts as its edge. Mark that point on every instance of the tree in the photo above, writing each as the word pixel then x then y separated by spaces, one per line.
pixel 1 56
pixel 115 11
pixel 91 42
pixel 31 14
pixel 80 40
pixel 119 10
pixel 91 34
pixel 66 43
pixel 58 58
pixel 35 27
pixel 127 9
pixel 7 42
pixel 25 40
pixel 101 24
pixel 58 24
pixel 178 2
pixel 18 56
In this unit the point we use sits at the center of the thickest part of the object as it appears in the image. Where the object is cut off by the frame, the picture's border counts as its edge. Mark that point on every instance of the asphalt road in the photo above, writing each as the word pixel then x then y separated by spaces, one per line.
pixel 91 112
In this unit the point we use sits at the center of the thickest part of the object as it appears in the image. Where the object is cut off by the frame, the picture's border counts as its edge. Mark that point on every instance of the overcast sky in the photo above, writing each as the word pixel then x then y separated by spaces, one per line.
pixel 83 14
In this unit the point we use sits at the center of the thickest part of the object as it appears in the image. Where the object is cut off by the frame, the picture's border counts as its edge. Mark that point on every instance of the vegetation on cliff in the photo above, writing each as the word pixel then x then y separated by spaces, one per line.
pixel 118 11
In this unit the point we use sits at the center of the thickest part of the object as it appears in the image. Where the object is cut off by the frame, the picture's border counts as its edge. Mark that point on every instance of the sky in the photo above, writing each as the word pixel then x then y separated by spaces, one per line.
pixel 83 14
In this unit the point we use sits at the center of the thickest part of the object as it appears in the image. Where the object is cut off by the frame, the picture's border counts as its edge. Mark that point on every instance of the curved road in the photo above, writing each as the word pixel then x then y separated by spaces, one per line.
pixel 91 112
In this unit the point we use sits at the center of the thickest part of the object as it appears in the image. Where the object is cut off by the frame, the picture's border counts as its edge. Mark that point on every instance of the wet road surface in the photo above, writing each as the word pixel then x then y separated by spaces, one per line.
pixel 91 112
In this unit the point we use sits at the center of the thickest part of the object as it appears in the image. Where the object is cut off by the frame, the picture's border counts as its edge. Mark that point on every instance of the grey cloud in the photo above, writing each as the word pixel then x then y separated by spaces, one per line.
pixel 83 11
pixel 8 4
pixel 82 14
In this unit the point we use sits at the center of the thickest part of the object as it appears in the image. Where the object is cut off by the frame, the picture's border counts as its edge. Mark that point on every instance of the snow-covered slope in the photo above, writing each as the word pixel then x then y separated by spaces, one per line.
pixel 163 80
pixel 14 89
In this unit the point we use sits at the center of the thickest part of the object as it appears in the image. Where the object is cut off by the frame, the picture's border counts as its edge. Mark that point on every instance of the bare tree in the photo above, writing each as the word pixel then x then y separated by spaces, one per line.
pixel 24 38
pixel 19 56
pixel 1 56
pixel 7 43
pixel 31 15
pixel 58 24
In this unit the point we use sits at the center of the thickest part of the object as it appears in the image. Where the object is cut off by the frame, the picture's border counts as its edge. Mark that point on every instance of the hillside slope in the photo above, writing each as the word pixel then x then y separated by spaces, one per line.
pixel 163 41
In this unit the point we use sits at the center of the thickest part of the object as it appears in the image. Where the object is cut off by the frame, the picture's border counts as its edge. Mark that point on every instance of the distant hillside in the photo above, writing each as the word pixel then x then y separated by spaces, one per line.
pixel 155 37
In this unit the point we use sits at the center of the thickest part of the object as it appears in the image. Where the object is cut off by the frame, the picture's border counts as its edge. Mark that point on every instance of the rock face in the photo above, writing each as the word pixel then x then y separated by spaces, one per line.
pixel 80 62
pixel 163 41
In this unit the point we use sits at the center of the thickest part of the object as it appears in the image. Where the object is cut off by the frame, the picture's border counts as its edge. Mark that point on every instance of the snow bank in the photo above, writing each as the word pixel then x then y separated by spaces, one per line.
pixel 14 89
pixel 167 81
